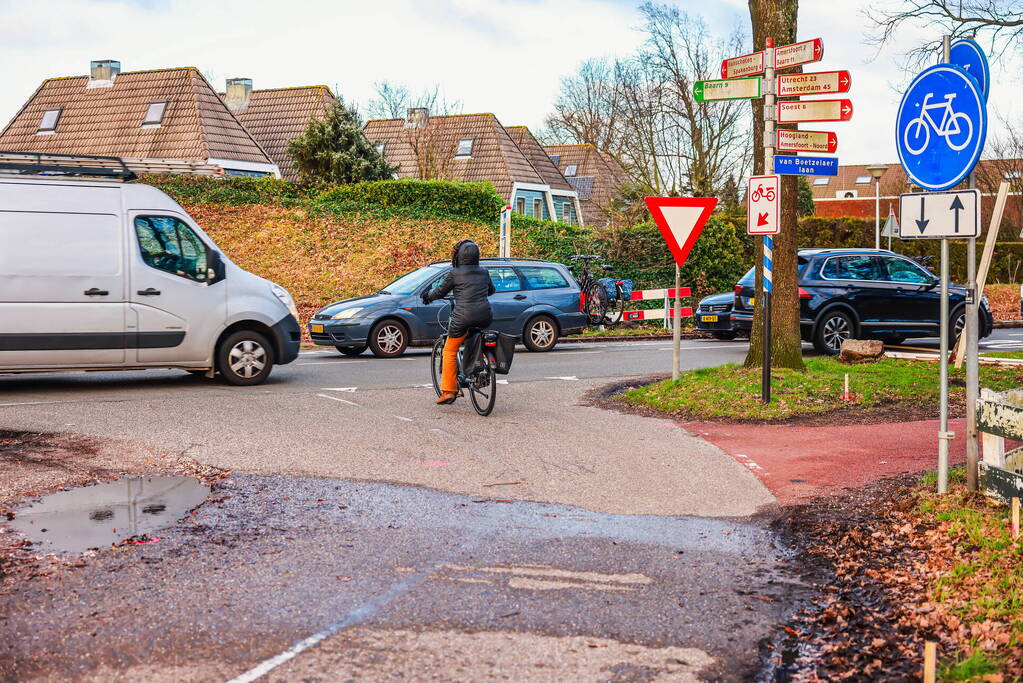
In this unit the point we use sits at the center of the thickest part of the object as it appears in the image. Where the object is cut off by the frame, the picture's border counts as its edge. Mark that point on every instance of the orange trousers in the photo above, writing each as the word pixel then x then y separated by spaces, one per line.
pixel 449 364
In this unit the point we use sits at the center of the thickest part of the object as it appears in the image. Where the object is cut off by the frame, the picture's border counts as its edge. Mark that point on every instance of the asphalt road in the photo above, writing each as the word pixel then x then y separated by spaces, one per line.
pixel 367 533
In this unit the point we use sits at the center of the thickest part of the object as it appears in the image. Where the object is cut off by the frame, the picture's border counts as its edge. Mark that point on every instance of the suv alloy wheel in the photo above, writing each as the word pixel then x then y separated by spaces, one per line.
pixel 833 328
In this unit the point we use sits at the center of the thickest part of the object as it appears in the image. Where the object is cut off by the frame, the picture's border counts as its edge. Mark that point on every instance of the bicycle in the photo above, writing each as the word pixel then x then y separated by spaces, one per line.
pixel 481 381
pixel 761 193
pixel 600 309
pixel 948 127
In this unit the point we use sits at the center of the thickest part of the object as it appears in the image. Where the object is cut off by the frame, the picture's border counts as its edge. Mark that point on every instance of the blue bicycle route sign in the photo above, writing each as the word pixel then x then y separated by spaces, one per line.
pixel 795 165
pixel 941 127
pixel 969 57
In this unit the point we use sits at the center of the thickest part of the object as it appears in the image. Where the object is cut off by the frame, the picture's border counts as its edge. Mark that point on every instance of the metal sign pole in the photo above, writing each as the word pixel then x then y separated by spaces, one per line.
pixel 769 142
pixel 972 361
pixel 676 331
pixel 944 436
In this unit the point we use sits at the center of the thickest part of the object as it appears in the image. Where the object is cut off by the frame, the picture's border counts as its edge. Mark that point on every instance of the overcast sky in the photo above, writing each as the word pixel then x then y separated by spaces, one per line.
pixel 501 56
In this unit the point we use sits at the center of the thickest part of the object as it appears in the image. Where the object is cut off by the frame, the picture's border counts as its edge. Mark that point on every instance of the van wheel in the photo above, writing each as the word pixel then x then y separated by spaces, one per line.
pixel 833 328
pixel 245 358
pixel 352 350
pixel 541 334
pixel 388 339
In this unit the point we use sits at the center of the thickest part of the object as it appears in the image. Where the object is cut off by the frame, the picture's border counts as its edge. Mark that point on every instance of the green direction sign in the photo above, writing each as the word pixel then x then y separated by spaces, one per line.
pixel 731 89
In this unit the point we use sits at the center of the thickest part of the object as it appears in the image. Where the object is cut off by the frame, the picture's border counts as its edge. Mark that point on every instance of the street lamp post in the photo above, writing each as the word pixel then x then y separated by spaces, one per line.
pixel 877 170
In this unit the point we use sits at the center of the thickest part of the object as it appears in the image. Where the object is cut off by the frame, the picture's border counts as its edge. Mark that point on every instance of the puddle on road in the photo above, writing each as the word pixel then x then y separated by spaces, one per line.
pixel 96 516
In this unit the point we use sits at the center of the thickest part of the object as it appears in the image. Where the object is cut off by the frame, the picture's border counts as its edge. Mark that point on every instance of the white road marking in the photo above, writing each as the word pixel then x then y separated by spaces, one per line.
pixel 500 381
pixel 406 419
pixel 570 378
pixel 566 353
pixel 329 362
pixel 340 400
pixel 30 403
pixel 350 390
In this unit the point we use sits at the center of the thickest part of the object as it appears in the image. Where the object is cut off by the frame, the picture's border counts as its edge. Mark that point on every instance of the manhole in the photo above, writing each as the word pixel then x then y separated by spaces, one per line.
pixel 96 516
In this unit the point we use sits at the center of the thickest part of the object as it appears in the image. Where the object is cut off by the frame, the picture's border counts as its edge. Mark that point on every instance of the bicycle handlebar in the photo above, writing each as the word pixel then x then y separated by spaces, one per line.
pixel 584 257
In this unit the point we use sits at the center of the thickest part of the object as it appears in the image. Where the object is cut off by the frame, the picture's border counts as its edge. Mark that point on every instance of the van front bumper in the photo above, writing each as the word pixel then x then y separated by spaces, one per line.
pixel 287 338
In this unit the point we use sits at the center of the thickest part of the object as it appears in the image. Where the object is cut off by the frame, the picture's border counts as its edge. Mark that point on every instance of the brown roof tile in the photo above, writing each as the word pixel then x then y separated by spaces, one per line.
pixel 522 137
pixel 276 116
pixel 108 121
pixel 606 173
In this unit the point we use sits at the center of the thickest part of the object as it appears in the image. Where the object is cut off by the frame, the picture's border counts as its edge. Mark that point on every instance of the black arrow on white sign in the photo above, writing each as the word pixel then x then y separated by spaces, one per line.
pixel 922 223
pixel 957 206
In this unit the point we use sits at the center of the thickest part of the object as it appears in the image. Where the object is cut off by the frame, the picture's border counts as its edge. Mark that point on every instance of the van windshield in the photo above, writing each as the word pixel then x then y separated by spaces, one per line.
pixel 410 282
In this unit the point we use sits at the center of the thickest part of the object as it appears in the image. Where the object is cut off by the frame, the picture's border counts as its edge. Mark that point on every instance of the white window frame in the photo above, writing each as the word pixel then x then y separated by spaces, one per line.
pixel 863 180
pixel 571 170
pixel 381 146
pixel 538 203
pixel 156 122
pixel 52 128
pixel 821 180
pixel 459 154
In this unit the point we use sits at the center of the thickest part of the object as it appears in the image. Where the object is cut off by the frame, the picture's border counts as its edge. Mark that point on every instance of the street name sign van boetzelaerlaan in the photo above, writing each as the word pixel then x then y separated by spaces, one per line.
pixel 732 89
pixel 788 165
pixel 822 83
pixel 806 141
pixel 814 110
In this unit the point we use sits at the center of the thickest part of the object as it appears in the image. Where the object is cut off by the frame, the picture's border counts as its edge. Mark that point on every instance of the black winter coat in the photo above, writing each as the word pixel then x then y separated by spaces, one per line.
pixel 471 285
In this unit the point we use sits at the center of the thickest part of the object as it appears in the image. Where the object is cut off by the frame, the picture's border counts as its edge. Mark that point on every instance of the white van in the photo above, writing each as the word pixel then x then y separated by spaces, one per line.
pixel 103 274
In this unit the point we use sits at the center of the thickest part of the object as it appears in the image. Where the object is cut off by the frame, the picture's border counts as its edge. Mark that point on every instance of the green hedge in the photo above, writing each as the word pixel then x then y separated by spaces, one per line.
pixel 468 201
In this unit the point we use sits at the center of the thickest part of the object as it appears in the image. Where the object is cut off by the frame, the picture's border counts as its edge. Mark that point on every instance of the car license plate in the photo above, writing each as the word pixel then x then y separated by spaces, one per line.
pixel 752 303
pixel 710 318
pixel 316 328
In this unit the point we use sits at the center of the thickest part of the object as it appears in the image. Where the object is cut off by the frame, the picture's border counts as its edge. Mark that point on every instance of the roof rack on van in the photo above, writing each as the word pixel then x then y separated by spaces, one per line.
pixel 65 165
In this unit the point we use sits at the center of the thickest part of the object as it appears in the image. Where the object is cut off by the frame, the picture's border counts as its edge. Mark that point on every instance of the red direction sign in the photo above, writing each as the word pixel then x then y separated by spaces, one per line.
pixel 680 220
pixel 814 110
pixel 798 53
pixel 763 195
pixel 746 65
pixel 806 141
pixel 820 83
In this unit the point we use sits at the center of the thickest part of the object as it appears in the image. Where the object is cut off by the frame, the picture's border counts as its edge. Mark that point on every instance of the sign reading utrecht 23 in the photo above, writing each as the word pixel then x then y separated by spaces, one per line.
pixel 941 127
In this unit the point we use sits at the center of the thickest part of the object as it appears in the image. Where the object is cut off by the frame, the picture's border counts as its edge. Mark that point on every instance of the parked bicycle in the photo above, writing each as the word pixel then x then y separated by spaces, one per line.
pixel 478 362
pixel 603 300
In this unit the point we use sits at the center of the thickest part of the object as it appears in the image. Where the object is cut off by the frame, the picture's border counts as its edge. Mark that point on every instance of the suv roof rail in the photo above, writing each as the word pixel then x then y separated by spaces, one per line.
pixel 499 258
pixel 64 165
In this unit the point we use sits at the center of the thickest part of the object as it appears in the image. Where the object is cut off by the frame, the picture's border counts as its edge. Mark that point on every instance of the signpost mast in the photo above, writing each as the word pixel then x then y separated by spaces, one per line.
pixel 766 277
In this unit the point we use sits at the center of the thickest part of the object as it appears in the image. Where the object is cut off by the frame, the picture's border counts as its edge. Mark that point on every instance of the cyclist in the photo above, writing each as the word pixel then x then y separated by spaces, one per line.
pixel 472 286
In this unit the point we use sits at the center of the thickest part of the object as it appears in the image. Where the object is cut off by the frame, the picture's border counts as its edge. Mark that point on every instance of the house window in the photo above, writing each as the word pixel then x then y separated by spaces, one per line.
pixel 863 180
pixel 48 124
pixel 821 181
pixel 555 158
pixel 520 206
pixel 537 208
pixel 381 146
pixel 154 113
pixel 464 147
pixel 570 170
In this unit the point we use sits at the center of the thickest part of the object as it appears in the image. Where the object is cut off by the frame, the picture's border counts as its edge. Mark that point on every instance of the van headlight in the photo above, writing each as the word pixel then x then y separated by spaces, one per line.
pixel 347 313
pixel 285 298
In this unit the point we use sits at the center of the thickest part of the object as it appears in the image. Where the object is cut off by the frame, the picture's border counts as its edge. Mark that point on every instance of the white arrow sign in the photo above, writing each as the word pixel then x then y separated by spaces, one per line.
pixel 940 214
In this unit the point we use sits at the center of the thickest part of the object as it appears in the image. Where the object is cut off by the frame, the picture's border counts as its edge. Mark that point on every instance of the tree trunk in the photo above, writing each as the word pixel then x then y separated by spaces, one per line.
pixel 776 19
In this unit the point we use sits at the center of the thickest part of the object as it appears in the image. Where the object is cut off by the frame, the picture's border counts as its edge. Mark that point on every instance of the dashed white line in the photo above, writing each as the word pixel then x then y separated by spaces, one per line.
pixel 340 400
pixel 569 378
pixel 350 390
pixel 406 419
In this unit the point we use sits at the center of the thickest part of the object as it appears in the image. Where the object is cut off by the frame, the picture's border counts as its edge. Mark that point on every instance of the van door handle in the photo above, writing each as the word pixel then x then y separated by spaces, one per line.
pixel 519 297
pixel 148 292
pixel 95 291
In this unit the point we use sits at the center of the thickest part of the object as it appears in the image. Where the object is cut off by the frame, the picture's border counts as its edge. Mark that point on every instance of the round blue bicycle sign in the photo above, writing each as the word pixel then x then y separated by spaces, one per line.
pixel 941 127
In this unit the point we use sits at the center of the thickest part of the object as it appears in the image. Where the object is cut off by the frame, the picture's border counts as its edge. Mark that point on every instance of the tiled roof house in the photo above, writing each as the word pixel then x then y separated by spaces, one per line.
pixel 595 175
pixel 276 116
pixel 565 195
pixel 166 120
pixel 471 148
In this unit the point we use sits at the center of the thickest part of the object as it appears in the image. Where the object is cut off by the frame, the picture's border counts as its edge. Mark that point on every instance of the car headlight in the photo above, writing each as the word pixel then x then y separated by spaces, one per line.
pixel 285 298
pixel 347 313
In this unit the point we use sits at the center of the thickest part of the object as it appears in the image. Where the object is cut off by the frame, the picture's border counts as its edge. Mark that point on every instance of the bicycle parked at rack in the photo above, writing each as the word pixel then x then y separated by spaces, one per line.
pixel 480 378
pixel 599 304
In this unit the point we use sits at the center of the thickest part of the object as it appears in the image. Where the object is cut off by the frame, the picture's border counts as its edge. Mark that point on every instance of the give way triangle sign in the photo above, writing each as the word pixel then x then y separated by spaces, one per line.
pixel 680 220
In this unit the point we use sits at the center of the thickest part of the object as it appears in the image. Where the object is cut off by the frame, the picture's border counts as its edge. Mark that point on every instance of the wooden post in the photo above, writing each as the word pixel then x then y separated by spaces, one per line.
pixel 930 661
pixel 1015 518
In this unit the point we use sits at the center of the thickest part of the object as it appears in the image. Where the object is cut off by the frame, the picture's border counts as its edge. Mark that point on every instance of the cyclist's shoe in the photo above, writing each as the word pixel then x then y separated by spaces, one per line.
pixel 446 398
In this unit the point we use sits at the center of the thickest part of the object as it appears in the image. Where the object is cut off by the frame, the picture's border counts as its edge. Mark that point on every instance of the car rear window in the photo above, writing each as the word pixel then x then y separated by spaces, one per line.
pixel 538 277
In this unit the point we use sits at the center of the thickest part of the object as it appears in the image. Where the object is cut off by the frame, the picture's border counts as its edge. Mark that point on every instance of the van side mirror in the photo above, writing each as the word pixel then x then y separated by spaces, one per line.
pixel 215 268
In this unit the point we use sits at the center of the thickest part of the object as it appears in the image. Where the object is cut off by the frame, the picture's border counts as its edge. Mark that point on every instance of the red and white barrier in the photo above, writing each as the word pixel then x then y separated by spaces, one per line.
pixel 648 294
pixel 656 314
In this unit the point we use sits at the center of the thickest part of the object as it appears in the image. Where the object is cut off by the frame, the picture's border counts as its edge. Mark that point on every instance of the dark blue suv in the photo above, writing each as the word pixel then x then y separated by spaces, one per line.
pixel 536 302
pixel 864 294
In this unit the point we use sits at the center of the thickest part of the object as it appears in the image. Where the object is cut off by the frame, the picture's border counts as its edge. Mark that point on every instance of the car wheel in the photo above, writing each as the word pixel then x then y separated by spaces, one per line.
pixel 833 328
pixel 352 350
pixel 958 324
pixel 541 334
pixel 388 339
pixel 245 358
pixel 725 335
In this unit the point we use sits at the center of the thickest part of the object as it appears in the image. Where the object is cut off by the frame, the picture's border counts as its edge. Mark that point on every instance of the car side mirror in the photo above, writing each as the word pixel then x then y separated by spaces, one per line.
pixel 215 268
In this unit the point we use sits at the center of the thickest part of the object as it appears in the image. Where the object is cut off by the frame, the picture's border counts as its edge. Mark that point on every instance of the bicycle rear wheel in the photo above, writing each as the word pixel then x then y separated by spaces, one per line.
pixel 615 309
pixel 436 358
pixel 595 307
pixel 483 388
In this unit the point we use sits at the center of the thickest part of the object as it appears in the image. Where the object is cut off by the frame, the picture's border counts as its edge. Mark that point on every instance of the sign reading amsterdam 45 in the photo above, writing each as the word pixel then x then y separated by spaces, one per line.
pixel 823 83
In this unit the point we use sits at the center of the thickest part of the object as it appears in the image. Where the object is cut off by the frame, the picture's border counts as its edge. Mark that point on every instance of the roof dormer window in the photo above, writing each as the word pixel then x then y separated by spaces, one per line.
pixel 570 170
pixel 464 148
pixel 154 114
pixel 48 124
pixel 863 180
pixel 381 146
pixel 821 180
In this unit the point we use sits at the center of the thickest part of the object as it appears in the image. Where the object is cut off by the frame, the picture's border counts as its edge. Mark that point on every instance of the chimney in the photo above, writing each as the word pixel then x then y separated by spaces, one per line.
pixel 238 92
pixel 102 72
pixel 417 117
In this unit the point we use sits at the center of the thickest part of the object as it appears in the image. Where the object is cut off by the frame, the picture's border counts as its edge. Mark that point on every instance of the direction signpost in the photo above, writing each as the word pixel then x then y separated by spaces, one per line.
pixel 940 132
pixel 680 220
pixel 822 83
pixel 805 165
pixel 746 65
pixel 734 89
pixel 806 141
pixel 814 110
pixel 799 53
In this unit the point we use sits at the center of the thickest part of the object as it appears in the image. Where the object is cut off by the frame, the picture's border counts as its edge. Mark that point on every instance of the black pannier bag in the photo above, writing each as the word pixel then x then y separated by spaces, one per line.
pixel 471 351
pixel 504 352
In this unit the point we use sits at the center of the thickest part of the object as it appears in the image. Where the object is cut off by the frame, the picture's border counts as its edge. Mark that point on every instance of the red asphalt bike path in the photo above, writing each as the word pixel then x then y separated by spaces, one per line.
pixel 796 463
